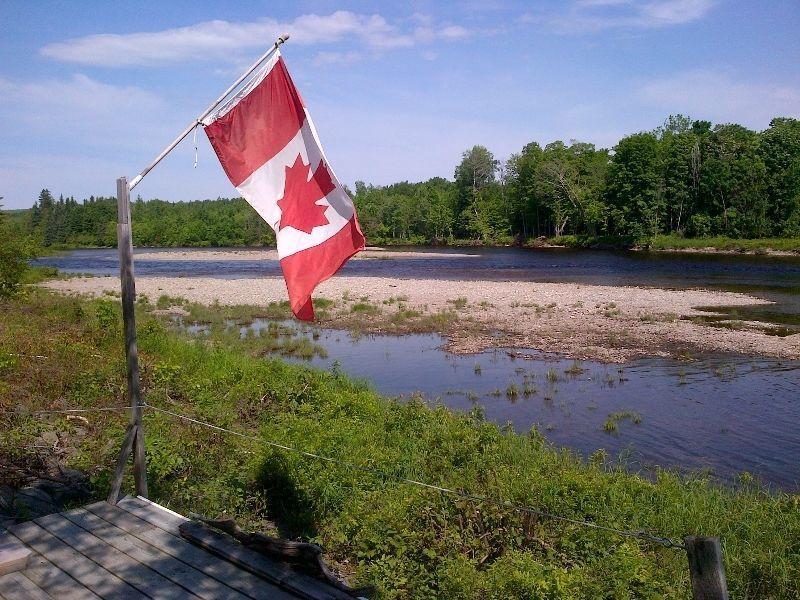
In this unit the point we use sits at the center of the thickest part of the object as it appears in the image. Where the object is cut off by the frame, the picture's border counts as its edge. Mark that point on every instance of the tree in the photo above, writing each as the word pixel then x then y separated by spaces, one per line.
pixel 474 173
pixel 521 170
pixel 679 148
pixel 633 187
pixel 575 176
pixel 780 151
pixel 733 182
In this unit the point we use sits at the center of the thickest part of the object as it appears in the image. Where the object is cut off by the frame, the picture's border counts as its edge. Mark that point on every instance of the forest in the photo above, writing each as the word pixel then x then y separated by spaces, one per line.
pixel 686 178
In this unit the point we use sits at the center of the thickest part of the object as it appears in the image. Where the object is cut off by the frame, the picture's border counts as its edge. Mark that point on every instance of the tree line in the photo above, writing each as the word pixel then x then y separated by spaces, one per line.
pixel 686 177
pixel 92 222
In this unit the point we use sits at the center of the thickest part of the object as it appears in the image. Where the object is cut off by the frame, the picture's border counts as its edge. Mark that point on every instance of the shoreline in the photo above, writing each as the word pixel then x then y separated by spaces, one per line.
pixel 152 252
pixel 607 323
pixel 256 254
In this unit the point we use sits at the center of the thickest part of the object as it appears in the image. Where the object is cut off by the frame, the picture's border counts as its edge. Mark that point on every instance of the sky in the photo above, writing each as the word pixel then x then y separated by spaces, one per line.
pixel 90 91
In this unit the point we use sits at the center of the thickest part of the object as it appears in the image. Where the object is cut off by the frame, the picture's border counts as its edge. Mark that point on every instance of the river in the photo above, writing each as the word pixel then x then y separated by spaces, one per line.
pixel 720 414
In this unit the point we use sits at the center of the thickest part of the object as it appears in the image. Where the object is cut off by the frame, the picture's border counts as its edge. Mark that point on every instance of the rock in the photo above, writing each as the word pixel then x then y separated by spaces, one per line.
pixel 49 438
pixel 43 496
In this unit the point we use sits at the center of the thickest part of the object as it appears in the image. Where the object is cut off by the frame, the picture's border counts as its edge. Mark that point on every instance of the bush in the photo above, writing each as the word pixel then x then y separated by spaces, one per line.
pixel 15 251
pixel 699 226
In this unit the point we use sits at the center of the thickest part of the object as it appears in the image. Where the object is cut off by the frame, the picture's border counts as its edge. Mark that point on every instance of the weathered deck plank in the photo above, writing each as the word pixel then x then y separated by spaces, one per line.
pixel 166 520
pixel 245 558
pixel 55 582
pixel 223 571
pixel 14 554
pixel 167 565
pixel 94 577
pixel 15 586
pixel 134 551
pixel 140 576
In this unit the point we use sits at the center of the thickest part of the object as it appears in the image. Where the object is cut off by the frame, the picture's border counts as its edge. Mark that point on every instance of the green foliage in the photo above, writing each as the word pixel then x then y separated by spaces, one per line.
pixel 409 542
pixel 683 178
pixel 633 187
pixel 16 249
pixel 219 222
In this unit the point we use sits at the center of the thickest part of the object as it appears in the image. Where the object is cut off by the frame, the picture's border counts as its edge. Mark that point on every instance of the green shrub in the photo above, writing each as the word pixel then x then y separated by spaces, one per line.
pixel 16 249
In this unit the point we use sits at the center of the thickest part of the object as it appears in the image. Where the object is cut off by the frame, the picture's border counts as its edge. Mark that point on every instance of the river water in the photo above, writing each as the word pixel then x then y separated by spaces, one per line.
pixel 721 414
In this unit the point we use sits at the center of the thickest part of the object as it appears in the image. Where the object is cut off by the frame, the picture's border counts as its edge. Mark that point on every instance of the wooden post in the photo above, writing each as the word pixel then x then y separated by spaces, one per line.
pixel 125 247
pixel 706 568
pixel 119 472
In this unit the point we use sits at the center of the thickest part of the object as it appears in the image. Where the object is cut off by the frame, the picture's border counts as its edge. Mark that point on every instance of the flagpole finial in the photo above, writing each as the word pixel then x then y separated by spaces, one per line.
pixel 282 39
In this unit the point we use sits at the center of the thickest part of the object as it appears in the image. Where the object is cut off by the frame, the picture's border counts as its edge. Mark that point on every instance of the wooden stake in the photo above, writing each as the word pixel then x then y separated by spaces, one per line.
pixel 706 568
pixel 125 247
pixel 122 461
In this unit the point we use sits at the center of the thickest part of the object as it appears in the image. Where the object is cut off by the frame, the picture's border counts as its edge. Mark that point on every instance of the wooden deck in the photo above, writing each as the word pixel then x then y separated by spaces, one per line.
pixel 134 550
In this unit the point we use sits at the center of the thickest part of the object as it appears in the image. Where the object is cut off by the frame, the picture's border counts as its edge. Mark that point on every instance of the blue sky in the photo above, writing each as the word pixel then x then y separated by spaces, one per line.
pixel 93 90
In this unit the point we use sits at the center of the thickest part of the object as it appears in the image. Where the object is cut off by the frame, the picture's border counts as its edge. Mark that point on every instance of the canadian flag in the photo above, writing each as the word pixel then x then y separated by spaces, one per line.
pixel 267 144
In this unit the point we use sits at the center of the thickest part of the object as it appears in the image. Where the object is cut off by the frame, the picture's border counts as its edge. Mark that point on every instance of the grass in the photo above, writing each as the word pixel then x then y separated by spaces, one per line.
pixel 165 301
pixel 658 317
pixel 365 308
pixel 574 369
pixel 673 242
pixel 612 423
pixel 458 303
pixel 407 541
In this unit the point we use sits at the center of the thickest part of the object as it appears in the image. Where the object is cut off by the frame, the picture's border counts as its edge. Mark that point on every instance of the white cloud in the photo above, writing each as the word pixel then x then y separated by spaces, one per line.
pixel 223 40
pixel 584 16
pixel 336 58
pixel 80 111
pixel 77 94
pixel 718 97
pixel 454 32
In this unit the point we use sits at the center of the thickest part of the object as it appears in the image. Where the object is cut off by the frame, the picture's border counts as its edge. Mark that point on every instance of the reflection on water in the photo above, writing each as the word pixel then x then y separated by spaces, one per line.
pixel 721 413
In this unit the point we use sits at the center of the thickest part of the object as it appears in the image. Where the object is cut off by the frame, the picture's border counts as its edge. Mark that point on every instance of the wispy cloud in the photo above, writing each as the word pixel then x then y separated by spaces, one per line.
pixel 336 58
pixel 224 40
pixel 719 97
pixel 80 108
pixel 78 94
pixel 588 16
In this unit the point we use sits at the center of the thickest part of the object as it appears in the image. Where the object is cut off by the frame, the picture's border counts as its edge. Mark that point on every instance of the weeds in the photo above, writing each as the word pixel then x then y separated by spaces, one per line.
pixel 365 308
pixel 458 303
pixel 407 541
pixel 612 423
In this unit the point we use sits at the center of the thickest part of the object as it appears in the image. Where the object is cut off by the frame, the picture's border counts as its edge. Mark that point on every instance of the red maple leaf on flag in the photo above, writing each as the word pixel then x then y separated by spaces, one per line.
pixel 299 208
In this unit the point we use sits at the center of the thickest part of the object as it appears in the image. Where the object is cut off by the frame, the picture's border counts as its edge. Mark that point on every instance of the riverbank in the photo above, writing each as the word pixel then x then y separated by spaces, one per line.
pixel 609 323
pixel 259 254
pixel 659 243
pixel 674 243
pixel 407 541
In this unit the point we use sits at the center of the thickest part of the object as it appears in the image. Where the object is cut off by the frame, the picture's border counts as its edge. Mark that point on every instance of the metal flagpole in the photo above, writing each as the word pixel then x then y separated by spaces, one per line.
pixel 135 181
pixel 134 438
